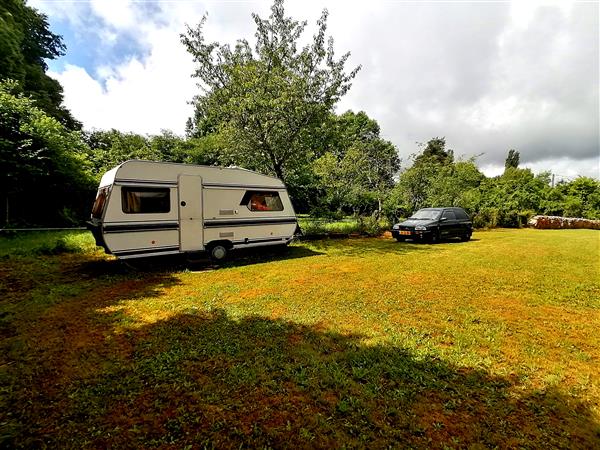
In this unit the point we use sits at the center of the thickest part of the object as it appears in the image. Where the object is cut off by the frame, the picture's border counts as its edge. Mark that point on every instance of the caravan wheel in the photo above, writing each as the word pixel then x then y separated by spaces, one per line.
pixel 218 253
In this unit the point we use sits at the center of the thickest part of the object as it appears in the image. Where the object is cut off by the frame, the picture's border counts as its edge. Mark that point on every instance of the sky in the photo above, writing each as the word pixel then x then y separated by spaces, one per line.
pixel 488 76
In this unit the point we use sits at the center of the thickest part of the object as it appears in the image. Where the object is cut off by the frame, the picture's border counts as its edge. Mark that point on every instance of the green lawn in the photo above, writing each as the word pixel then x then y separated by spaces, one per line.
pixel 335 343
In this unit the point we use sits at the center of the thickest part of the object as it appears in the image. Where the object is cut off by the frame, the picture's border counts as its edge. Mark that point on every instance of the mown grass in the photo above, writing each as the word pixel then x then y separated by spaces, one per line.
pixel 45 243
pixel 335 343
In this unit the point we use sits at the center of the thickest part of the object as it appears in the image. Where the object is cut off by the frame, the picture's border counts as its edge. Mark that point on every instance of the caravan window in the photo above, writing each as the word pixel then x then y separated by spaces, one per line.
pixel 142 200
pixel 98 207
pixel 262 201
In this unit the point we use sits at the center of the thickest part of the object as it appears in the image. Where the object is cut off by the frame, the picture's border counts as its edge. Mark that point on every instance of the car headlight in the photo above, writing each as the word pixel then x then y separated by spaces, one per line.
pixel 420 228
pixel 396 227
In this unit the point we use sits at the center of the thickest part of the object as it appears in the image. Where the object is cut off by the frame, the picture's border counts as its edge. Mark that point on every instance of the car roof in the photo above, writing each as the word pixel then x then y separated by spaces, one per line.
pixel 439 209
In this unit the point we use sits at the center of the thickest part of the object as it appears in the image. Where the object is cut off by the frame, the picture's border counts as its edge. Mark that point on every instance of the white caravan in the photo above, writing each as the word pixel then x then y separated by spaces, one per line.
pixel 146 208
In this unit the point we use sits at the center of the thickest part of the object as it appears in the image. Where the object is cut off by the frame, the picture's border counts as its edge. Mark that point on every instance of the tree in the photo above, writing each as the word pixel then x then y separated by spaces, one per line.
pixel 110 148
pixel 46 178
pixel 25 44
pixel 358 168
pixel 205 150
pixel 268 102
pixel 509 200
pixel 512 159
pixel 577 198
pixel 456 184
pixel 421 184
pixel 412 190
pixel 435 151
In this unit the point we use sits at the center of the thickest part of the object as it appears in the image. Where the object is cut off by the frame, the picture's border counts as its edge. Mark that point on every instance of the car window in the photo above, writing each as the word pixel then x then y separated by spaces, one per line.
pixel 448 215
pixel 461 214
pixel 429 214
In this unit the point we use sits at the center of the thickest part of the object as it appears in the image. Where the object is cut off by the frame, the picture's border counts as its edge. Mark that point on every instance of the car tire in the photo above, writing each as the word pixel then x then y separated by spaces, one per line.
pixel 218 253
pixel 435 237
pixel 400 239
pixel 465 237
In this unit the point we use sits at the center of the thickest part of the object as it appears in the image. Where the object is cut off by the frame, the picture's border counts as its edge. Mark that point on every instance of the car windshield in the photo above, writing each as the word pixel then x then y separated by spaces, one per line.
pixel 429 214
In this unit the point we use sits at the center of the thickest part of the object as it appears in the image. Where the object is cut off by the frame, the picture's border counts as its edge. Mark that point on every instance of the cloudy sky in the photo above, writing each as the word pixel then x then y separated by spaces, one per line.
pixel 487 75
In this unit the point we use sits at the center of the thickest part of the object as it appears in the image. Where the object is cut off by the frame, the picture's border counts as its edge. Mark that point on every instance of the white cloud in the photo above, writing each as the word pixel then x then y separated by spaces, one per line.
pixel 140 95
pixel 148 92
pixel 488 76
pixel 118 13
pixel 562 168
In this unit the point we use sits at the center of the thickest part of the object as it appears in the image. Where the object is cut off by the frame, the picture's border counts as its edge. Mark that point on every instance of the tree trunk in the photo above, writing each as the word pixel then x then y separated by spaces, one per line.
pixel 278 170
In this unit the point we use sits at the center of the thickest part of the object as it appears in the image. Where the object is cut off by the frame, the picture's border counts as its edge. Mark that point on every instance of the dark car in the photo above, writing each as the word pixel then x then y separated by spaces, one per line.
pixel 435 224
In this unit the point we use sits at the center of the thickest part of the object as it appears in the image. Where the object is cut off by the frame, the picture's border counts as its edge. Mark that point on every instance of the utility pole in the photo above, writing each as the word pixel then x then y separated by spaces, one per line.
pixel 552 180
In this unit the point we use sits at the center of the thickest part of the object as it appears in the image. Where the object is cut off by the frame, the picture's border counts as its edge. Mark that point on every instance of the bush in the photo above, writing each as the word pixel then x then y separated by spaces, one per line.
pixel 312 228
pixel 486 218
pixel 370 226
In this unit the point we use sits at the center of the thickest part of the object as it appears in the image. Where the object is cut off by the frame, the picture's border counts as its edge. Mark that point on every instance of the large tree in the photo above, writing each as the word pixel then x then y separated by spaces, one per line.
pixel 434 151
pixel 26 42
pixel 109 148
pixel 45 177
pixel 268 102
pixel 357 170
pixel 512 159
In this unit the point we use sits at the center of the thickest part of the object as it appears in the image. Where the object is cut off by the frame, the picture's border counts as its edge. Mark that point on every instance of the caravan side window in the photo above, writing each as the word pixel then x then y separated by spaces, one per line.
pixel 142 200
pixel 262 201
pixel 99 203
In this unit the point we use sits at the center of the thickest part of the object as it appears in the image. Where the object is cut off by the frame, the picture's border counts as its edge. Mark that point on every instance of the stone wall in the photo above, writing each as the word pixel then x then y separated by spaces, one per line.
pixel 555 223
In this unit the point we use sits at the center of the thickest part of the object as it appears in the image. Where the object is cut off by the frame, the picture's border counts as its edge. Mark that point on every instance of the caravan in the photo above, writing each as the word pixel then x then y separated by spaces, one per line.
pixel 146 208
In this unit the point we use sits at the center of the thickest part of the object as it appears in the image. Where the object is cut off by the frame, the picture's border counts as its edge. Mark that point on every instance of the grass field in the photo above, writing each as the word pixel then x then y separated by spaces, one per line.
pixel 335 343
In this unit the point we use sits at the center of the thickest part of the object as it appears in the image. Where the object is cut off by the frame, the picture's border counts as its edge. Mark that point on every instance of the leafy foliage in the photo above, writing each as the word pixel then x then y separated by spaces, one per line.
pixel 512 159
pixel 46 174
pixel 268 102
pixel 435 151
pixel 25 43
pixel 356 172
pixel 508 200
pixel 110 148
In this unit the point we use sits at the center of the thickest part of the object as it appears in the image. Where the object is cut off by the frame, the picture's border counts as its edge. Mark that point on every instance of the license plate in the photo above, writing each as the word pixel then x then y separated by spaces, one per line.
pixel 405 232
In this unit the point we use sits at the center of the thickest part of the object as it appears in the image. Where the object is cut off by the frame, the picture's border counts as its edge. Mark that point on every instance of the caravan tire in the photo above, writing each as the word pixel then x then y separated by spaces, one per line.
pixel 218 253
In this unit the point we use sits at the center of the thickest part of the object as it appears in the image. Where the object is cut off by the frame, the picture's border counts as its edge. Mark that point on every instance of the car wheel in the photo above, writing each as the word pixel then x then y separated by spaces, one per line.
pixel 218 253
pixel 435 237
pixel 465 237
pixel 400 239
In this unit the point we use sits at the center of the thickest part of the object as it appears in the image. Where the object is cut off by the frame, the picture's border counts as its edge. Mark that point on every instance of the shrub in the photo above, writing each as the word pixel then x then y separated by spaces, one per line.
pixel 372 227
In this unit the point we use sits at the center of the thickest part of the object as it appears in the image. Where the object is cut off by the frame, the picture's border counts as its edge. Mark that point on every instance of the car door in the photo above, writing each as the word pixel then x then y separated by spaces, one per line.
pixel 463 222
pixel 448 224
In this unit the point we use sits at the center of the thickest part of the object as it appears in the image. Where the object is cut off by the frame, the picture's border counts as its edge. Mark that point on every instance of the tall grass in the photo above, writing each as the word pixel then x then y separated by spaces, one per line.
pixel 366 226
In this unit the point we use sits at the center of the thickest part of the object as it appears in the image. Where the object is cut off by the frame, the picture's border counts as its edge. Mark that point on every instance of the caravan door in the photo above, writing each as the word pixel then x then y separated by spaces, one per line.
pixel 191 225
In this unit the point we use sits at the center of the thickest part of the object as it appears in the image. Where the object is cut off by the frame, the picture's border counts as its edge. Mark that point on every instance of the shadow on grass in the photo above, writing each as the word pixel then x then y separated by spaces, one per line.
pixel 209 380
pixel 200 262
pixel 367 246
pixel 243 257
